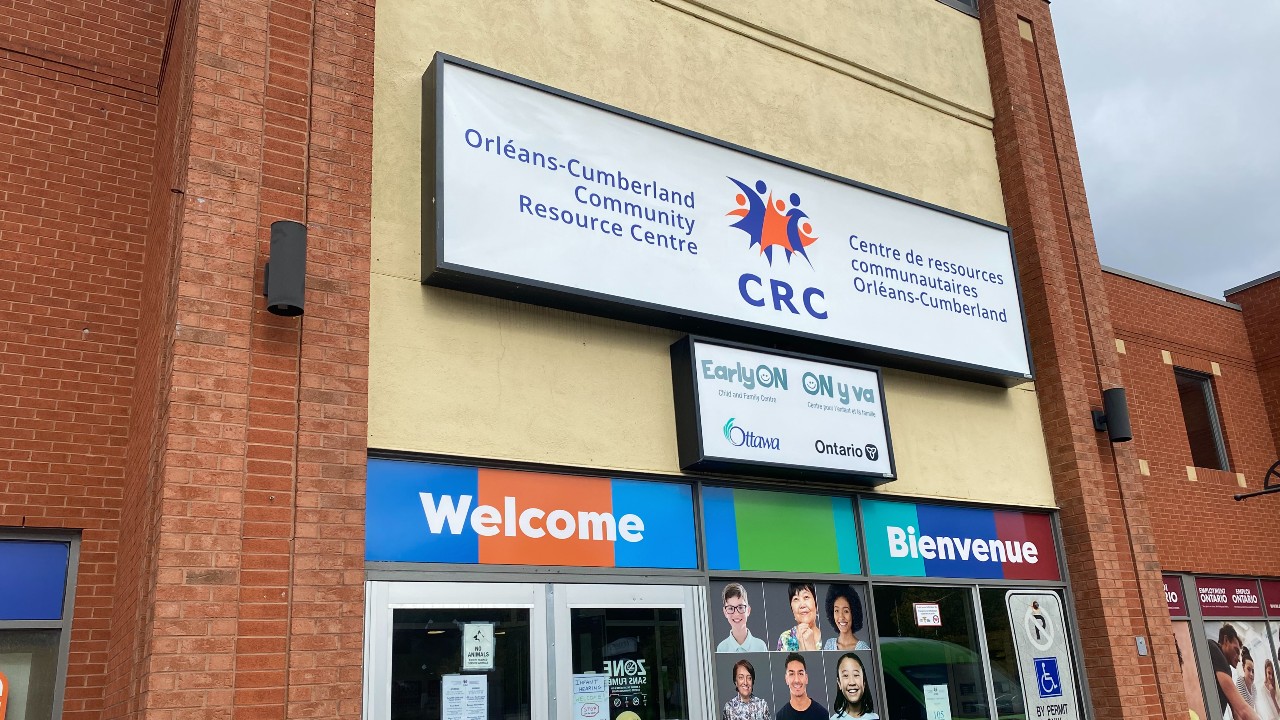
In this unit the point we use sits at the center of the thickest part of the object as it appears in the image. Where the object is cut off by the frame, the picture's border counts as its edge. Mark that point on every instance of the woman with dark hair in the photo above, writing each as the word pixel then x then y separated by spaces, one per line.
pixel 806 635
pixel 844 612
pixel 853 698
pixel 744 706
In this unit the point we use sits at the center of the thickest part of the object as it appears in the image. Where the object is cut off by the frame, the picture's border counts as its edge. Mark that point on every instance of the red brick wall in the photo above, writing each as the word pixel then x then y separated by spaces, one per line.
pixel 134 595
pixel 1106 527
pixel 1261 306
pixel 120 40
pixel 259 572
pixel 1198 526
pixel 76 134
pixel 140 378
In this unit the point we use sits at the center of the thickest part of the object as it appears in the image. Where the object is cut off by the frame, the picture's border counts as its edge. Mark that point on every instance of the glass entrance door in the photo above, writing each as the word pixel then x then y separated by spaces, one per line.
pixel 643 638
pixel 441 651
pixel 512 651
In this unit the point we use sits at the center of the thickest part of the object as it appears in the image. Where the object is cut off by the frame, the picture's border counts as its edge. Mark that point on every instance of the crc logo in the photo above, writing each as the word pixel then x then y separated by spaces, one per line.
pixel 739 437
pixel 770 224
pixel 775 225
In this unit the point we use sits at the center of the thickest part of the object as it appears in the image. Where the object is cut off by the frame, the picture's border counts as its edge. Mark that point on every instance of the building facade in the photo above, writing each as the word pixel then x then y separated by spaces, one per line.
pixel 1198 372
pixel 475 485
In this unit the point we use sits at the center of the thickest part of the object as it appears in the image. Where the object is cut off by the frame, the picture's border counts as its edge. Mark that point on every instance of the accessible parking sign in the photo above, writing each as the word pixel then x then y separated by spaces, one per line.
pixel 1044 655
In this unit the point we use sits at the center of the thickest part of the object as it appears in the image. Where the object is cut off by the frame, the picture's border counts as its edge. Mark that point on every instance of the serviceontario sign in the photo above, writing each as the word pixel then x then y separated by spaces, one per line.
pixel 766 413
pixel 533 194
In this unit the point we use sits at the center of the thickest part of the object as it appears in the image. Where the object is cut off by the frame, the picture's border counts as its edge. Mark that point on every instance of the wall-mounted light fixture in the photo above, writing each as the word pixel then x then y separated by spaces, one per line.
pixel 1270 483
pixel 1114 416
pixel 284 277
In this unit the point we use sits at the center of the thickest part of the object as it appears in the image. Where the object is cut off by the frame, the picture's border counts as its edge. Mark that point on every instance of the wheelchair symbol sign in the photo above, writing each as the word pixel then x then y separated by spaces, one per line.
pixel 1048 678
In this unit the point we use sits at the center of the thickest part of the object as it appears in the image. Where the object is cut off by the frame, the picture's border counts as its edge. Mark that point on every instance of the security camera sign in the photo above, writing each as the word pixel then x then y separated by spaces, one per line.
pixel 1044 655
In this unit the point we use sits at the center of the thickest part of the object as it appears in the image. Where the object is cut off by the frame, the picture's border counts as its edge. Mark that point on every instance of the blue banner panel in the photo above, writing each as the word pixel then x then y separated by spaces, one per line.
pixel 428 513
pixel 35 579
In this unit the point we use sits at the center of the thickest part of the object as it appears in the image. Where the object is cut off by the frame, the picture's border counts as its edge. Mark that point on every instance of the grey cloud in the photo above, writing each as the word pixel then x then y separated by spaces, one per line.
pixel 1175 107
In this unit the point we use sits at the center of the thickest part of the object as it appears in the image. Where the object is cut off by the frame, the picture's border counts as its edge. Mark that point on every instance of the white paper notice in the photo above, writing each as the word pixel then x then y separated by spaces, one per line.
pixel 477 646
pixel 928 615
pixel 464 697
pixel 937 703
pixel 590 696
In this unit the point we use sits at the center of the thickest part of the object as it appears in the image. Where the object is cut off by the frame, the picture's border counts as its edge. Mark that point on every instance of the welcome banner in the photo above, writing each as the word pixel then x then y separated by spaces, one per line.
pixel 910 540
pixel 422 512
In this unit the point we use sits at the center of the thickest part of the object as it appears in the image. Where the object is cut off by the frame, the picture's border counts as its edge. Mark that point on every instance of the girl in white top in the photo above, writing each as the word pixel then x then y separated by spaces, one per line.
pixel 853 697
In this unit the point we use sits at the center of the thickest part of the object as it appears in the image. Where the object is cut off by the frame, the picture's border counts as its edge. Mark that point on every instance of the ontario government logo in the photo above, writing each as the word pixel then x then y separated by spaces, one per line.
pixel 778 227
pixel 738 437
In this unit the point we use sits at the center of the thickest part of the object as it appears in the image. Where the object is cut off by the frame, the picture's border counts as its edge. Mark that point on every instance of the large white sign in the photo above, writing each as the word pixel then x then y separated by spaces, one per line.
pixel 765 409
pixel 535 192
pixel 1044 656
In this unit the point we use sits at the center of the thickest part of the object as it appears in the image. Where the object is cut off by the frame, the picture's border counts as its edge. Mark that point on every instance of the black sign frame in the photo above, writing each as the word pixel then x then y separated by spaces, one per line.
pixel 437 272
pixel 689 442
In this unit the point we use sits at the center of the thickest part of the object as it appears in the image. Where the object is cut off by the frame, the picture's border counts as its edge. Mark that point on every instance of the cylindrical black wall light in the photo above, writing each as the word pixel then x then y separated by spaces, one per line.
pixel 284 277
pixel 1114 416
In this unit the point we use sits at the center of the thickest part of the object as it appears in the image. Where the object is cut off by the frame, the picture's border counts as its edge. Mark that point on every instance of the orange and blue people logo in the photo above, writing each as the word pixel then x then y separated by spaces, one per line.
pixel 772 223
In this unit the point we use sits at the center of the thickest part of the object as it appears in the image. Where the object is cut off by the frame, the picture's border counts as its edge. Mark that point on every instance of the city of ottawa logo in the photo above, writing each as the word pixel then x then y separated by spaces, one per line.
pixel 739 437
pixel 772 222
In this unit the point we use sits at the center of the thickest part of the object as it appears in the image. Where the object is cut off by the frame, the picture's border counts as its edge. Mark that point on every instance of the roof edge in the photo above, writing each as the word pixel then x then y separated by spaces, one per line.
pixel 1180 291
pixel 1251 283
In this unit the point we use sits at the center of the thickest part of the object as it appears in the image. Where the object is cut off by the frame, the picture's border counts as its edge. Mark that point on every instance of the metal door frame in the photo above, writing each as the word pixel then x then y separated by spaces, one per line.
pixel 549 627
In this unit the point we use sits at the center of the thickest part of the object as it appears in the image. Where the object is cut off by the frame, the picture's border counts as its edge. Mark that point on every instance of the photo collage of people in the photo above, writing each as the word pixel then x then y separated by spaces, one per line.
pixel 1244 669
pixel 790 650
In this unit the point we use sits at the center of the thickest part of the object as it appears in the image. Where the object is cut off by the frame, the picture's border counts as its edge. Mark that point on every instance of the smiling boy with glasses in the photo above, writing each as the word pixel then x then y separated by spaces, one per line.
pixel 736 611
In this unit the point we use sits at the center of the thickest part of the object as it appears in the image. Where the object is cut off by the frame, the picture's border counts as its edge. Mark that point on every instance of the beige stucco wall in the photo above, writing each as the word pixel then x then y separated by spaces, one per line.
pixel 463 375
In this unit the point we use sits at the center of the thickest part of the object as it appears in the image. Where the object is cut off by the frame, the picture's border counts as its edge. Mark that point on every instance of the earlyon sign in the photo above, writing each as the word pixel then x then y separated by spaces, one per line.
pixel 744 410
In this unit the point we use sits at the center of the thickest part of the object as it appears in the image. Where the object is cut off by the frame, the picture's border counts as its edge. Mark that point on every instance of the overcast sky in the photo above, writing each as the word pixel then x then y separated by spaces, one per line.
pixel 1176 107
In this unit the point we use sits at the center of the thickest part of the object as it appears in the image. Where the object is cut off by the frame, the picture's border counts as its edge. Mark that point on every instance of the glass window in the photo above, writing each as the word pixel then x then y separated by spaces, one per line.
pixel 1001 653
pixel 1195 392
pixel 642 651
pixel 29 659
pixel 427 644
pixel 35 620
pixel 968 6
pixel 1238 651
pixel 931 662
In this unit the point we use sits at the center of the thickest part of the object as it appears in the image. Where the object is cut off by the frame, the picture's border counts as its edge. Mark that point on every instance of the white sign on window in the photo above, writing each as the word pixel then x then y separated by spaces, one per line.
pixel 540 196
pixel 937 702
pixel 1044 656
pixel 765 409
pixel 477 646
pixel 464 697
pixel 590 696
pixel 928 615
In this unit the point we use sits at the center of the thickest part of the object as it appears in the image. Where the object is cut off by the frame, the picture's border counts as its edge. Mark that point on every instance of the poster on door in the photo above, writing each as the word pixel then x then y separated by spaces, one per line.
pixel 590 696
pixel 1044 655
pixel 628 679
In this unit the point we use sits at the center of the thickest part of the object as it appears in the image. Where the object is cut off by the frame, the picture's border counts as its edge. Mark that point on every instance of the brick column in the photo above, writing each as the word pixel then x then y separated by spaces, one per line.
pixel 1111 557
pixel 255 550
